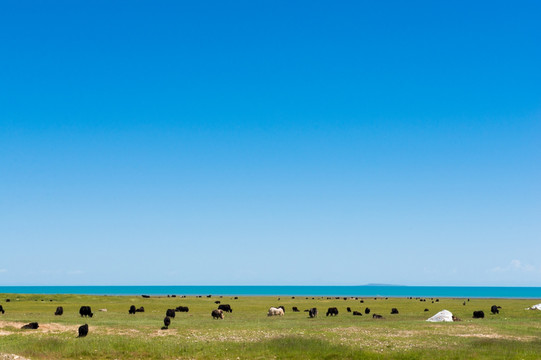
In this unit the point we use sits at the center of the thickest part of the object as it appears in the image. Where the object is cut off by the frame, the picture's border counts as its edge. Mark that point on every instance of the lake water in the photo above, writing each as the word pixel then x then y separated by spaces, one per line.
pixel 359 291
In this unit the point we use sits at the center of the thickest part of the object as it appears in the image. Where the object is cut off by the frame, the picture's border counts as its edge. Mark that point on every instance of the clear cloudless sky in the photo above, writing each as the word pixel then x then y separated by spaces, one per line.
pixel 270 142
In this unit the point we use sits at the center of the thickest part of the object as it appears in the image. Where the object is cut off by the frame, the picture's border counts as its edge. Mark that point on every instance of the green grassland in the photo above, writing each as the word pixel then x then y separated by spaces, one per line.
pixel 247 333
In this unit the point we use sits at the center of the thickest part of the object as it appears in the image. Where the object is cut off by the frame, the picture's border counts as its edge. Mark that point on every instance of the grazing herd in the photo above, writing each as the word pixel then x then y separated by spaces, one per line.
pixel 86 311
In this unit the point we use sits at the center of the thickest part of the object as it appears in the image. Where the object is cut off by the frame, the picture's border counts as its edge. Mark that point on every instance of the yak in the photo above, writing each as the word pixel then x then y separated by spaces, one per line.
pixel 312 312
pixel 275 312
pixel 479 314
pixel 225 307
pixel 32 326
pixel 166 323
pixel 332 311
pixel 83 330
pixel 217 314
pixel 86 311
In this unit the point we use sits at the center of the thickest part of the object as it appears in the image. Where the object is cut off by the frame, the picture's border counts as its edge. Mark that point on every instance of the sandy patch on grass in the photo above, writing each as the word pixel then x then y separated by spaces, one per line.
pixel 121 332
pixel 12 357
pixel 14 324
pixel 440 337
pixel 221 335
pixel 168 332
pixel 499 336
pixel 9 327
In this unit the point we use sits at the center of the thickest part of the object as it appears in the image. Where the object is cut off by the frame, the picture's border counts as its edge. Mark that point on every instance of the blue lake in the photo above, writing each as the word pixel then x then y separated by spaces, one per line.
pixel 359 291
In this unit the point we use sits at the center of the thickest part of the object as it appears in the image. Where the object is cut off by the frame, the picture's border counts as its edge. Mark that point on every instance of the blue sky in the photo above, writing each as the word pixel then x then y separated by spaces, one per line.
pixel 314 143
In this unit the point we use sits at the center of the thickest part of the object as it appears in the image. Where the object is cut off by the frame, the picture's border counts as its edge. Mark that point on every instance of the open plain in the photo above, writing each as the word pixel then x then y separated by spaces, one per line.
pixel 248 333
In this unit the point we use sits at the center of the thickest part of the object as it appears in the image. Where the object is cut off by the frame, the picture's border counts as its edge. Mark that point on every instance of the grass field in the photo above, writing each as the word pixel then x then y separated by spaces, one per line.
pixel 247 333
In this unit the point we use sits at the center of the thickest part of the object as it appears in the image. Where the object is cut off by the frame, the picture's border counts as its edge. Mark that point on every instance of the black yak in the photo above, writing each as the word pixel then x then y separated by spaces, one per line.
pixel 332 311
pixel 225 307
pixel 32 326
pixel 166 323
pixel 312 312
pixel 479 314
pixel 217 314
pixel 83 330
pixel 86 311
